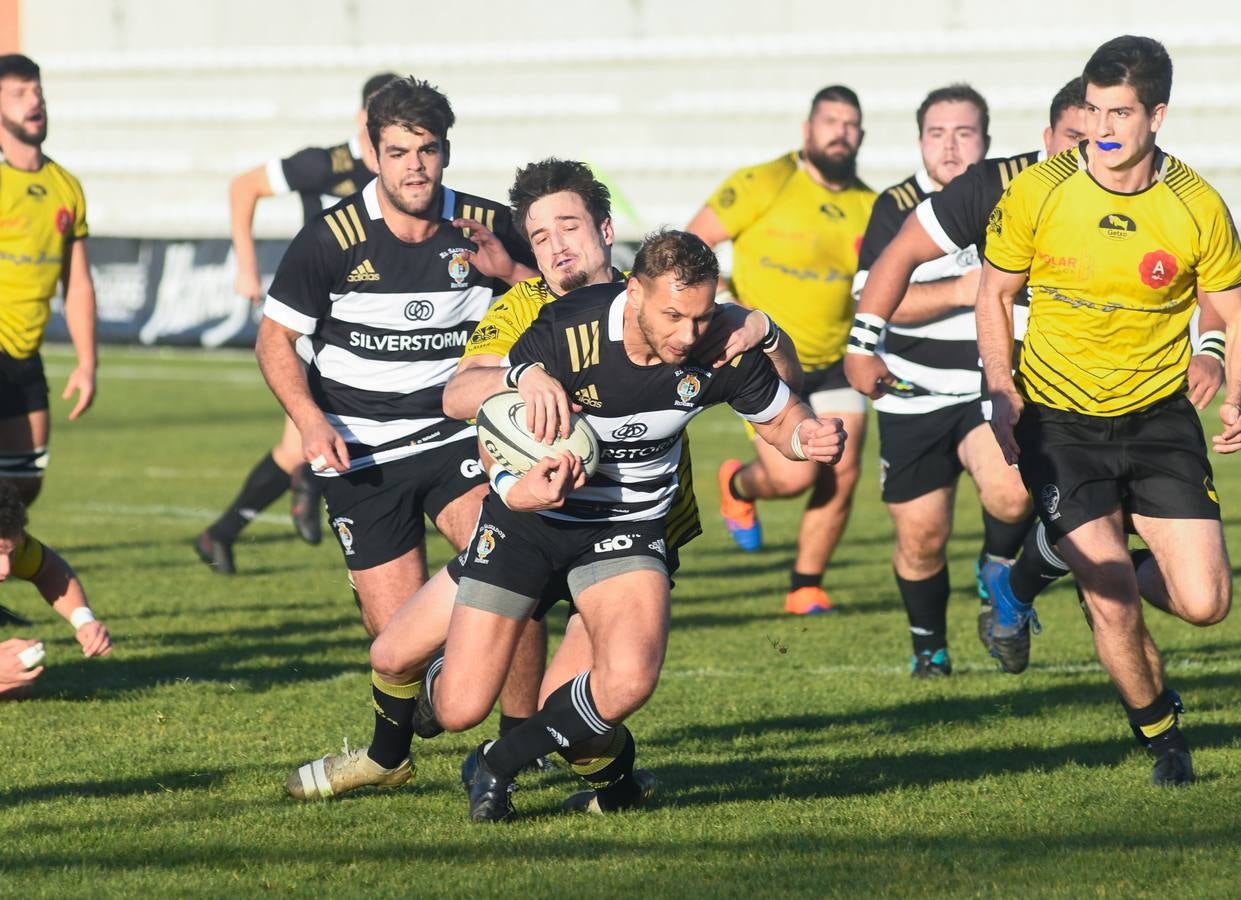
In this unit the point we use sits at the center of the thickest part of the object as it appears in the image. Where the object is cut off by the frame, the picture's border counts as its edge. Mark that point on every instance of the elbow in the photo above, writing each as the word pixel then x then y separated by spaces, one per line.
pixel 454 404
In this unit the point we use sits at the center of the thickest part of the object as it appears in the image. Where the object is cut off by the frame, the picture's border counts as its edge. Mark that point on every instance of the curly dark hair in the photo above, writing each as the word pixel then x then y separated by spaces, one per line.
pixel 551 176
pixel 12 511
pixel 411 104
pixel 684 254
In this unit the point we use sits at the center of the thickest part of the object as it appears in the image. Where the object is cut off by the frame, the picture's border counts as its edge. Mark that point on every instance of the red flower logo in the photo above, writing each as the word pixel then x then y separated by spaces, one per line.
pixel 1157 269
pixel 64 219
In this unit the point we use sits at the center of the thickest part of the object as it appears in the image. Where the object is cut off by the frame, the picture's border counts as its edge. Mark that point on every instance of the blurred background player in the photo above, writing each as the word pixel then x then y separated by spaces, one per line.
pixel 931 425
pixel 42 242
pixel 23 556
pixel 796 223
pixel 321 176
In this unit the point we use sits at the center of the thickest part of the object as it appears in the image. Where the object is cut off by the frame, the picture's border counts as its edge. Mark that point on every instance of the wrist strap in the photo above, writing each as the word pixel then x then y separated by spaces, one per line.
pixel 865 333
pixel 1212 344
pixel 81 616
pixel 795 441
pixel 502 481
pixel 771 340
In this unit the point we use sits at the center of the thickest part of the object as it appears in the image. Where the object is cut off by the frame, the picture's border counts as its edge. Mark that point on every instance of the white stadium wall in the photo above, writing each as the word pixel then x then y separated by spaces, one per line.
pixel 157 103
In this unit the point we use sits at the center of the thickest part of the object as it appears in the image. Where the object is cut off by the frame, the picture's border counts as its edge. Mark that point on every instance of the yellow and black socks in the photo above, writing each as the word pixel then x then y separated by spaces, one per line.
pixel 263 487
pixel 394 720
pixel 1157 726
pixel 568 717
pixel 611 773
pixel 926 604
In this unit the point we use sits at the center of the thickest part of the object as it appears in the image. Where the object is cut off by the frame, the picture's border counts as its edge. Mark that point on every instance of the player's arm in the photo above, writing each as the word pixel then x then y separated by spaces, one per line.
pixel 1206 366
pixel 994 315
pixel 60 587
pixel 546 485
pixel 492 256
pixel 79 289
pixel 798 434
pixel 735 329
pixel 244 193
pixel 1228 305
pixel 484 375
pixel 13 672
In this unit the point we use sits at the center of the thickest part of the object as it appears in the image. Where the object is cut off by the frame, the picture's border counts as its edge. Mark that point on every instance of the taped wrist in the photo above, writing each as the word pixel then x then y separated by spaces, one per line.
pixel 864 335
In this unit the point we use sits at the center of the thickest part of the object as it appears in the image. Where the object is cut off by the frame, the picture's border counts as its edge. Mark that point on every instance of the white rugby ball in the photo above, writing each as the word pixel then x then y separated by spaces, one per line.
pixel 502 431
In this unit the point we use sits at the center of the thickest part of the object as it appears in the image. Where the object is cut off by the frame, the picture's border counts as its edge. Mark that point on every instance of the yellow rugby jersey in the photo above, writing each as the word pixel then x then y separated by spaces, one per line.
pixel 500 328
pixel 1112 280
pixel 41 214
pixel 27 558
pixel 795 251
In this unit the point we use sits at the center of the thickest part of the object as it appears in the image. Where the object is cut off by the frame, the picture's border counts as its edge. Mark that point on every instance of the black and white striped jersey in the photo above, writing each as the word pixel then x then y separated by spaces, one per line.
pixel 387 322
pixel 938 358
pixel 956 217
pixel 322 176
pixel 638 412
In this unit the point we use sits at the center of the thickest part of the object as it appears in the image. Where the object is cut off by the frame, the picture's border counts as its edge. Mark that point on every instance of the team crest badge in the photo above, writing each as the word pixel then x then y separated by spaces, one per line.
pixel 486 543
pixel 1050 498
pixel 459 269
pixel 343 533
pixel 687 389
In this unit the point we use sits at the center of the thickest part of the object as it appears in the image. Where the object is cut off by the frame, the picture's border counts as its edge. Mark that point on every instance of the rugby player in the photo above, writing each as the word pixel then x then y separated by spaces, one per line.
pixel 42 243
pixel 24 556
pixel 949 221
pixel 796 223
pixel 388 293
pixel 632 348
pixel 1096 414
pixel 565 212
pixel 931 426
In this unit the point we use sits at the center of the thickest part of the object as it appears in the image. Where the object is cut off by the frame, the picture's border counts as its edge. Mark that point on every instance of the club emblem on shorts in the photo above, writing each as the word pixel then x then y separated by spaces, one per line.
pixel 459 268
pixel 687 389
pixel 486 543
pixel 341 524
pixel 1049 496
pixel 1210 489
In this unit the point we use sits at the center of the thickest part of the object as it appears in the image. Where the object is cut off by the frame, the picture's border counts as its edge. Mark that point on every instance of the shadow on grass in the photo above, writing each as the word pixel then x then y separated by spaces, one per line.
pixel 156 782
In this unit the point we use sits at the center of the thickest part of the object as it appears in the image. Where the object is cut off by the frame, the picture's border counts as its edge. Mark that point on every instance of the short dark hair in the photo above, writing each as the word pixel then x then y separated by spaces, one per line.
pixel 956 93
pixel 835 93
pixel 1140 62
pixel 15 65
pixel 683 254
pixel 374 83
pixel 411 104
pixel 551 176
pixel 1071 96
pixel 12 509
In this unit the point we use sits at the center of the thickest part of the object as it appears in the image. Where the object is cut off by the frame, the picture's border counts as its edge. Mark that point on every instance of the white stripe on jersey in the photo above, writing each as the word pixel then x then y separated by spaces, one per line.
pixel 392 454
pixel 411 311
pixel 955 386
pixel 359 430
pixel 275 177
pixel 926 217
pixel 389 376
pixel 778 402
pixel 960 326
pixel 951 265
pixel 288 316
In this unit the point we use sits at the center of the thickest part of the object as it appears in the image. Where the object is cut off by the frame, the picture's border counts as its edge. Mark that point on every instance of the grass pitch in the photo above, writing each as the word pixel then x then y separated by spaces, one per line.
pixel 795 757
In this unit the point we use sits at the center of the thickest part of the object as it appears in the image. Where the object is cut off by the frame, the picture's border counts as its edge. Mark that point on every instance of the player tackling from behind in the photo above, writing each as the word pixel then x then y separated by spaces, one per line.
pixel 1096 415
pixel 633 347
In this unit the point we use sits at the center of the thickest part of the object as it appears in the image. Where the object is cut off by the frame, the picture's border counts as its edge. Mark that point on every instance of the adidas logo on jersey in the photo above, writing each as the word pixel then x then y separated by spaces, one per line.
pixel 588 396
pixel 363 272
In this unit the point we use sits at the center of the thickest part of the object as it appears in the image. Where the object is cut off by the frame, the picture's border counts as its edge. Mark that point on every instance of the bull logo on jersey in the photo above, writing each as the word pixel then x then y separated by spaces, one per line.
pixel 484 334
pixel 1157 269
pixel 688 388
pixel 419 310
pixel 459 268
pixel 995 222
pixel 1117 227
pixel 37 191
pixel 343 534
pixel 1049 496
pixel 832 211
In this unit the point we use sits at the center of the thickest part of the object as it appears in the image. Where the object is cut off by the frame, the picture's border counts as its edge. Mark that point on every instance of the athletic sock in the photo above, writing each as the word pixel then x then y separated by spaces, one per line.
pixel 736 491
pixel 1156 726
pixel 1000 539
pixel 1037 567
pixel 926 604
pixel 394 720
pixel 611 772
pixel 799 580
pixel 568 717
pixel 508 723
pixel 263 487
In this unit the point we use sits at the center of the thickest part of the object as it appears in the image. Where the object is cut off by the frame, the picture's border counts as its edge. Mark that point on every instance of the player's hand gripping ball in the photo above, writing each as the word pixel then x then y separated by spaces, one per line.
pixel 502 431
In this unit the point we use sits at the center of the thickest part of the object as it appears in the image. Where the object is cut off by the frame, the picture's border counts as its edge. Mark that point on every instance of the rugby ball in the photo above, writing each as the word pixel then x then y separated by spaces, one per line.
pixel 502 431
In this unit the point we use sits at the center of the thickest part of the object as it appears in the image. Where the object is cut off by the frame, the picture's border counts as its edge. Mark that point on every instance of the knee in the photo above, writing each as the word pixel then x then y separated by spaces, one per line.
pixel 458 711
pixel 922 550
pixel 1010 505
pixel 622 688
pixel 1210 609
pixel 388 662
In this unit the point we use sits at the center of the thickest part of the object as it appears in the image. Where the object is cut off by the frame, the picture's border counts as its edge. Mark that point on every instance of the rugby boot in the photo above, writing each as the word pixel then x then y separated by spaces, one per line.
pixel 931 665
pixel 337 773
pixel 217 554
pixel 809 601
pixel 1011 621
pixel 1173 768
pixel 489 793
pixel 625 794
pixel 740 516
pixel 984 610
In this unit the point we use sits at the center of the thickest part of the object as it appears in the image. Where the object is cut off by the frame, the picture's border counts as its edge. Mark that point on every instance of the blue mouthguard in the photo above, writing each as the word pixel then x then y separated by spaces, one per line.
pixel 1108 145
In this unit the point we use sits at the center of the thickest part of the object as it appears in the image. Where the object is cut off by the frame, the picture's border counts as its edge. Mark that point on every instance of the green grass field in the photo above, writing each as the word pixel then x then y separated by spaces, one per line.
pixel 795 758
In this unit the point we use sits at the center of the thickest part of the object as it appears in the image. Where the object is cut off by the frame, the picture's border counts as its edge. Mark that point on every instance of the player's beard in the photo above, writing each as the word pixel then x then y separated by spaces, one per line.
pixel 839 169
pixel 408 209
pixel 652 340
pixel 574 280
pixel 21 133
